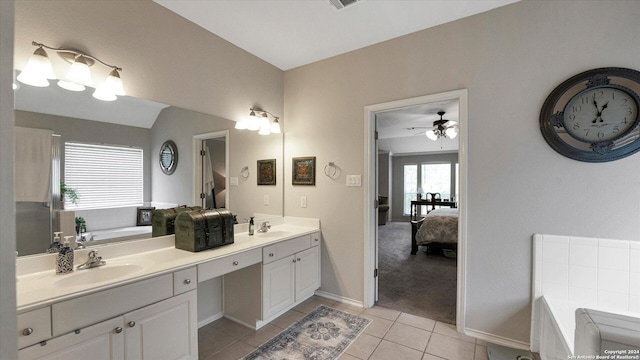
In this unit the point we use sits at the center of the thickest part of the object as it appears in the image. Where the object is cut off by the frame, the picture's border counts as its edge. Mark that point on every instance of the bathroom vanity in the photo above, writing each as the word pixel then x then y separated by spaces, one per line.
pixel 143 303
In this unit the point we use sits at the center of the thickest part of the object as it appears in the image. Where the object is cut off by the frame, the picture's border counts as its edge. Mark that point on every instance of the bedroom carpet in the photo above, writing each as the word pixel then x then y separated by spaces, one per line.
pixel 421 284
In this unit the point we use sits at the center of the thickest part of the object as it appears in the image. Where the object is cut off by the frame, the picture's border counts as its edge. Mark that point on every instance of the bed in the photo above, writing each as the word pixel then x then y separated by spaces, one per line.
pixel 439 228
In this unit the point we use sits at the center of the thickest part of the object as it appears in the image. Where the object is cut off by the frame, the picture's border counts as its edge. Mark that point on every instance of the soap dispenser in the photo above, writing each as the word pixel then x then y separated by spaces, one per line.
pixel 251 226
pixel 56 245
pixel 64 260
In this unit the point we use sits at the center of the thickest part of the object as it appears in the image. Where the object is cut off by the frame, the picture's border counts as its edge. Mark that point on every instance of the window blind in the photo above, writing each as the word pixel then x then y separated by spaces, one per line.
pixel 103 176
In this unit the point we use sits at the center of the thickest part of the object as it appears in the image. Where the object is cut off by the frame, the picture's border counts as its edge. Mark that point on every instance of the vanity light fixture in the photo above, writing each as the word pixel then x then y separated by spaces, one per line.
pixel 258 120
pixel 39 71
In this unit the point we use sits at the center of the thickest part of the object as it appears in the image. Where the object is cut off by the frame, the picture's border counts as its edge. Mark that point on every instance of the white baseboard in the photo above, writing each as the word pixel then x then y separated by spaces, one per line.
pixel 339 298
pixel 210 319
pixel 495 339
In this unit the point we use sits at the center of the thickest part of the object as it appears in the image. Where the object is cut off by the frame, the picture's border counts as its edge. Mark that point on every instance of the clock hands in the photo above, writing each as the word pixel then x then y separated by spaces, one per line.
pixel 599 112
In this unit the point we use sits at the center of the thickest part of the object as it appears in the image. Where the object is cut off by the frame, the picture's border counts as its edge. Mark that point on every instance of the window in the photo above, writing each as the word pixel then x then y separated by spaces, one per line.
pixel 410 186
pixel 436 178
pixel 103 176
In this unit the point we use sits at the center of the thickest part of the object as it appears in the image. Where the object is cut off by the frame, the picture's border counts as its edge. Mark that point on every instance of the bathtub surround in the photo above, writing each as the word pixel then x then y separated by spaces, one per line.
pixel 577 272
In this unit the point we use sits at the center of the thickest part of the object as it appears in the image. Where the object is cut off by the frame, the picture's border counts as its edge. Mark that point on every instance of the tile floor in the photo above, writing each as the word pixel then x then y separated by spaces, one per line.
pixel 391 335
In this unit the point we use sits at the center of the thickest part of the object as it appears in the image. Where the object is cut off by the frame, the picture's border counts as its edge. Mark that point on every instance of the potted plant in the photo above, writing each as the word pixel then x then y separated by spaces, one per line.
pixel 69 193
pixel 81 225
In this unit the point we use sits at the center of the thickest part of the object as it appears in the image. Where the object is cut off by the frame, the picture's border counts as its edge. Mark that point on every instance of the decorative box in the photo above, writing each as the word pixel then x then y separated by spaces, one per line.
pixel 199 230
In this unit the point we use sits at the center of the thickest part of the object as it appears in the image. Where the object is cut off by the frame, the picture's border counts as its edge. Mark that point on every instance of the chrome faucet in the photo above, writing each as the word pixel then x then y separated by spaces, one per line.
pixel 93 261
pixel 264 227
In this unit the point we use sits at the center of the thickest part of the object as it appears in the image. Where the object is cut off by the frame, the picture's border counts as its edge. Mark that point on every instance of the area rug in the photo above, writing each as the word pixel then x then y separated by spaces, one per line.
pixel 323 334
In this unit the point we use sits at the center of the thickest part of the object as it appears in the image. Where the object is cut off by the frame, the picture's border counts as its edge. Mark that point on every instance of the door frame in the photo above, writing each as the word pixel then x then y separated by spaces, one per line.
pixel 197 163
pixel 370 185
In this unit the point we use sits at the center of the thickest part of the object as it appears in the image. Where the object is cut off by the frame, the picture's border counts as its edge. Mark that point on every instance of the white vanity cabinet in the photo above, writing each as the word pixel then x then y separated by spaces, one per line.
pixel 288 275
pixel 148 322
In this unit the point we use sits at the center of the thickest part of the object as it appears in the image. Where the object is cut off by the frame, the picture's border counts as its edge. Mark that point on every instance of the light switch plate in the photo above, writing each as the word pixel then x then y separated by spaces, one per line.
pixel 303 201
pixel 354 180
pixel 233 181
pixel 265 200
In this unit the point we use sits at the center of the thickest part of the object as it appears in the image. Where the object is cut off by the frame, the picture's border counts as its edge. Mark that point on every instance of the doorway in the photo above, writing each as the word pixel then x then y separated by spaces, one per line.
pixel 211 164
pixel 372 191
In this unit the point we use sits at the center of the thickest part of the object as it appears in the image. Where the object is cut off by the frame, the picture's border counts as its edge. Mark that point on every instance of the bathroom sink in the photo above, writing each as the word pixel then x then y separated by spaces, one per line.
pixel 275 233
pixel 97 274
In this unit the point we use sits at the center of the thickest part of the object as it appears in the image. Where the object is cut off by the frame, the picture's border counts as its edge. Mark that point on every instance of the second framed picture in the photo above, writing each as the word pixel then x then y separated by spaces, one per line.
pixel 267 172
pixel 304 171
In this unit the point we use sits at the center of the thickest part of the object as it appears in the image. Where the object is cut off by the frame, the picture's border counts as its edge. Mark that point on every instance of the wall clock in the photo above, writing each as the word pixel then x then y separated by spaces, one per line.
pixel 593 116
pixel 168 157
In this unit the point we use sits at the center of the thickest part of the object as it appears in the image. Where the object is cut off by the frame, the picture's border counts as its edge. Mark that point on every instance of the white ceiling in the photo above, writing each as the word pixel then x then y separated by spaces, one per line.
pixel 288 33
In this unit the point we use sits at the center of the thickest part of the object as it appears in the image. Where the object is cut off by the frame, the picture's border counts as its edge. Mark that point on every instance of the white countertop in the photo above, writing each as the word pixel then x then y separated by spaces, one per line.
pixel 37 284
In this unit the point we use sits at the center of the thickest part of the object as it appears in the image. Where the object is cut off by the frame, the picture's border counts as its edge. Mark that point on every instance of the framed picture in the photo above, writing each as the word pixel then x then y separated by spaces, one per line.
pixel 144 216
pixel 304 171
pixel 267 172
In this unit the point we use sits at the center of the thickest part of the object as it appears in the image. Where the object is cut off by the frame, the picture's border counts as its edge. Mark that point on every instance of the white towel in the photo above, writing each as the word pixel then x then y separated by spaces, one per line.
pixel 32 169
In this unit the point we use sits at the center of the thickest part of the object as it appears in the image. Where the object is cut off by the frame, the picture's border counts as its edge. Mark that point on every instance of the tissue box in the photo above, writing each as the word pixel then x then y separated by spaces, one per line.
pixel 163 220
pixel 203 229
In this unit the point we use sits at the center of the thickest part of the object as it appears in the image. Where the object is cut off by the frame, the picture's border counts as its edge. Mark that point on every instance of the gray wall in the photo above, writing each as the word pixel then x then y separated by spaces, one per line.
pixel 509 59
pixel 397 174
pixel 8 334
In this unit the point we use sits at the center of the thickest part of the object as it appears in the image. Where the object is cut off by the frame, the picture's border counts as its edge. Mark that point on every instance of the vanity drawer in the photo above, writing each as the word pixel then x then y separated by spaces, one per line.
pixel 184 280
pixel 90 309
pixel 285 248
pixel 34 326
pixel 215 268
pixel 315 239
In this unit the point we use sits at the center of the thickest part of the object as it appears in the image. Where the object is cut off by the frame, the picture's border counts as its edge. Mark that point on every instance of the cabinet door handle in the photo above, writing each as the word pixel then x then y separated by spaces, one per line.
pixel 118 330
pixel 235 263
pixel 298 259
pixel 294 260
pixel 270 254
pixel 131 323
pixel 27 331
pixel 187 281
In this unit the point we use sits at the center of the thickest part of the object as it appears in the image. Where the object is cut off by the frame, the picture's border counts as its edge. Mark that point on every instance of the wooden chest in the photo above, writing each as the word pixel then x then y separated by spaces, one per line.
pixel 199 230
pixel 163 220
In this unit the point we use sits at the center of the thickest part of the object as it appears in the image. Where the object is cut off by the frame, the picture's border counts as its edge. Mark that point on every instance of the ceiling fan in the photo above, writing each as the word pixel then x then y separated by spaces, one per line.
pixel 442 128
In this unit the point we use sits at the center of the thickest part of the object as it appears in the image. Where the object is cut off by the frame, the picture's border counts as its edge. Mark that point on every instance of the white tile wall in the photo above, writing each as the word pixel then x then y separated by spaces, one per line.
pixel 600 273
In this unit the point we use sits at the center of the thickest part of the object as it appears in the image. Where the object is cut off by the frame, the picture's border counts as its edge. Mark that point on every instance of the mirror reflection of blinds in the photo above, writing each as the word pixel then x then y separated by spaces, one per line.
pixel 103 176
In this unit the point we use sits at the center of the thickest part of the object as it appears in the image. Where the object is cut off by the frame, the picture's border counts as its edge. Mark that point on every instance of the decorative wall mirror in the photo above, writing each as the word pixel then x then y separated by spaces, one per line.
pixel 168 157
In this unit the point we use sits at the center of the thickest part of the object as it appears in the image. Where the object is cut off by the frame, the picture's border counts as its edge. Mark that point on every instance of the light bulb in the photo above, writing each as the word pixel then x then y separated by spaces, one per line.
pixel 451 132
pixel 264 129
pixel 79 71
pixel 114 83
pixel 431 134
pixel 37 70
pixel 253 123
pixel 275 126
pixel 241 125
pixel 104 93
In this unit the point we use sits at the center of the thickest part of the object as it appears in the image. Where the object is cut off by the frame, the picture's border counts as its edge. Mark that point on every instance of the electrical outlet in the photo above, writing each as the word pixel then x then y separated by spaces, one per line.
pixel 354 180
pixel 303 201
pixel 265 200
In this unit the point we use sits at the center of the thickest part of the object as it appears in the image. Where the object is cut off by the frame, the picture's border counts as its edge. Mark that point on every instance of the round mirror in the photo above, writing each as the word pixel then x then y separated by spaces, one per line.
pixel 168 157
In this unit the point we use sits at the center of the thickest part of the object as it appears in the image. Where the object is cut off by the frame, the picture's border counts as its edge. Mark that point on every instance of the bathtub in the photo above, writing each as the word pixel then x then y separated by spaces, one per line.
pixel 117 234
pixel 573 272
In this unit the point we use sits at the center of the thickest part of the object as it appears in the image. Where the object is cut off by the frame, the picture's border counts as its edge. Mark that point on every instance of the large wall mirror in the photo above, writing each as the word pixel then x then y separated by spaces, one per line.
pixel 128 122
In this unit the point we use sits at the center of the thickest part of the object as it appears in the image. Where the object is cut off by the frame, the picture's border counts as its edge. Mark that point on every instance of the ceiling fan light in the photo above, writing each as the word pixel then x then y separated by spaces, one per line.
pixel 451 132
pixel 70 85
pixel 431 134
pixel 79 71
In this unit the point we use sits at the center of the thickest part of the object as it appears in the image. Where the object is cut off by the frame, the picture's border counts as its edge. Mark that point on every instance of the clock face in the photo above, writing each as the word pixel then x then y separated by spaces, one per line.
pixel 600 113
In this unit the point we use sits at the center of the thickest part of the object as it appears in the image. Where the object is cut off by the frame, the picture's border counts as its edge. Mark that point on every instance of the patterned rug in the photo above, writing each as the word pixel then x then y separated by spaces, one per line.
pixel 323 334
